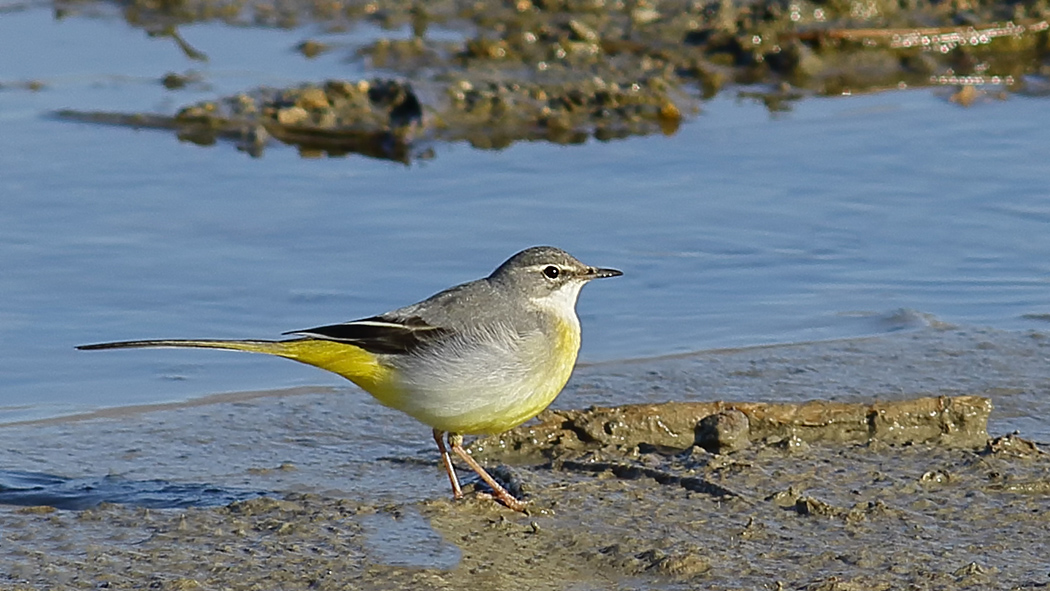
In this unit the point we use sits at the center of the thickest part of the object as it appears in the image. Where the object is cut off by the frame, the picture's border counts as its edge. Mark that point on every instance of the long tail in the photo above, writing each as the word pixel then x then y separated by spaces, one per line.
pixel 350 361
pixel 280 348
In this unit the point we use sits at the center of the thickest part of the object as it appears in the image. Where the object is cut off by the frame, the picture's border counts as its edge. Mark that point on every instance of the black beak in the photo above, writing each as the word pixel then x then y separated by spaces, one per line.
pixel 596 273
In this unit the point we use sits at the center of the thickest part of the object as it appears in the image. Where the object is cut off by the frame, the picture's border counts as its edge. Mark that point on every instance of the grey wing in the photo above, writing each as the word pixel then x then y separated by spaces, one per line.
pixel 461 309
pixel 464 308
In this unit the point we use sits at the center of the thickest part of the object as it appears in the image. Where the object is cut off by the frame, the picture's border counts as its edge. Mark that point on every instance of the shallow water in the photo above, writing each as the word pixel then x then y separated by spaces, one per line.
pixel 741 229
pixel 34 489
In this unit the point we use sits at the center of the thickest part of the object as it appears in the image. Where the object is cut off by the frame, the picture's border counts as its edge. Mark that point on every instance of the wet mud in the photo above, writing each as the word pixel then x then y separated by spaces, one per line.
pixel 493 72
pixel 885 490
pixel 869 516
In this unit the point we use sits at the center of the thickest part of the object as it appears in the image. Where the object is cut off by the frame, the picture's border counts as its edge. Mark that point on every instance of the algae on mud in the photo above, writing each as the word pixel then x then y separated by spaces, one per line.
pixel 568 71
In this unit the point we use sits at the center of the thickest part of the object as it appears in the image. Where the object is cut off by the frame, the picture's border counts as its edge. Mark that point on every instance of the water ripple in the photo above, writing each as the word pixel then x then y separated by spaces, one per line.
pixel 36 488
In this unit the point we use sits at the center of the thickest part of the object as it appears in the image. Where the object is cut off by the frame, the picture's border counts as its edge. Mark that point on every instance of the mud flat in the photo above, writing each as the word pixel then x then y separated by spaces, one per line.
pixel 491 73
pixel 885 490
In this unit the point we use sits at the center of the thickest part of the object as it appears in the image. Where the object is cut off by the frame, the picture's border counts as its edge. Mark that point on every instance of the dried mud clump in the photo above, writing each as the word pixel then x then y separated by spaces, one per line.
pixel 386 118
pixel 377 117
pixel 959 421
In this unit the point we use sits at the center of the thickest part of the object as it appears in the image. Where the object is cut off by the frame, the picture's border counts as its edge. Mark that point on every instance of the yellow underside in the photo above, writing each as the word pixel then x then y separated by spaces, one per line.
pixel 351 362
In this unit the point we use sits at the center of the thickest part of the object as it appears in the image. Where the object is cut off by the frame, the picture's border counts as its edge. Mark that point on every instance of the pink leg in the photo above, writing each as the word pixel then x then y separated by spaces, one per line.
pixel 446 461
pixel 501 494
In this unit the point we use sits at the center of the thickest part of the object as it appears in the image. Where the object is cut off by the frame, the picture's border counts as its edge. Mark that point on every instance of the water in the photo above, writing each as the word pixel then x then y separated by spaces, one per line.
pixel 742 229
pixel 407 540
pixel 34 489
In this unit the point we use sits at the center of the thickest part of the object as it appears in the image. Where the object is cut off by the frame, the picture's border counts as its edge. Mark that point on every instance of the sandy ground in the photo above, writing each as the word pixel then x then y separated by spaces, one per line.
pixel 353 498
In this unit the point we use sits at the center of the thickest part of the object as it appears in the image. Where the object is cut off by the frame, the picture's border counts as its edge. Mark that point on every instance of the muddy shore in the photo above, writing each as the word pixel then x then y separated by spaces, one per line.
pixel 348 505
pixel 491 73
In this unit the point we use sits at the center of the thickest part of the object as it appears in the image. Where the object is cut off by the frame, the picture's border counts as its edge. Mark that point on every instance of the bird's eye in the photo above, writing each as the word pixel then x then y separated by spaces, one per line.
pixel 551 272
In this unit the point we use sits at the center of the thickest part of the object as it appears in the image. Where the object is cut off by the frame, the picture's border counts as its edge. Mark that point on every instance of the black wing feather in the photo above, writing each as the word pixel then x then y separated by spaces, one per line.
pixel 378 334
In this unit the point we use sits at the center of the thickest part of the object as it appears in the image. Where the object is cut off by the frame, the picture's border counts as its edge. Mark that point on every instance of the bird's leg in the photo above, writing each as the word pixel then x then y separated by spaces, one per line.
pixel 446 461
pixel 456 442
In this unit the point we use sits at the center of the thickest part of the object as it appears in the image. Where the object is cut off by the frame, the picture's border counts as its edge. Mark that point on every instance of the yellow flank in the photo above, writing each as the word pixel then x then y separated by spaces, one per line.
pixel 351 362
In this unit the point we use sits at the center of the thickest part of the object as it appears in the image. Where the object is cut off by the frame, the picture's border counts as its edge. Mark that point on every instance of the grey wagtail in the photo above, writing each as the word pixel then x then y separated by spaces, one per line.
pixel 476 359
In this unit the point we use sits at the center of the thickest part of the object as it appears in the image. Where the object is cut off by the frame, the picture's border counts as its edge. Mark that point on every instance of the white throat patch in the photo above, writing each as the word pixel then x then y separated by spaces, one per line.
pixel 562 301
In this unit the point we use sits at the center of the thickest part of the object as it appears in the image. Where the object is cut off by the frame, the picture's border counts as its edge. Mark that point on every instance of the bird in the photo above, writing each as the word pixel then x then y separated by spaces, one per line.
pixel 479 358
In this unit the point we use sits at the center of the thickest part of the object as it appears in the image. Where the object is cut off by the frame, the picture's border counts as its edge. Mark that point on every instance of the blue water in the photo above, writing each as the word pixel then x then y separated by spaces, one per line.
pixel 743 228
pixel 31 489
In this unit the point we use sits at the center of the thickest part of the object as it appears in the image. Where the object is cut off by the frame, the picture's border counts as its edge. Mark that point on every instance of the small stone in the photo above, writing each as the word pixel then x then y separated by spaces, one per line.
pixel 812 506
pixel 644 15
pixel 312 49
pixel 173 81
pixel 684 565
pixel 583 32
pixel 722 432
pixel 292 115
pixel 340 88
pixel 312 99
pixel 1013 445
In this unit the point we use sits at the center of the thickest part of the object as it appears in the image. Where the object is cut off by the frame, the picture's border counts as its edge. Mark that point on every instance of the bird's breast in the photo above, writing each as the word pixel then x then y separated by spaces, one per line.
pixel 489 381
